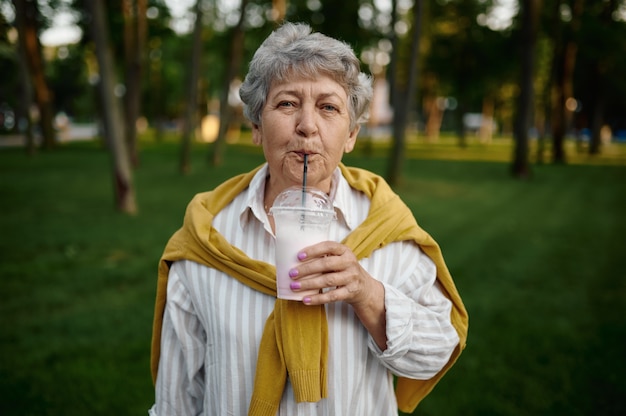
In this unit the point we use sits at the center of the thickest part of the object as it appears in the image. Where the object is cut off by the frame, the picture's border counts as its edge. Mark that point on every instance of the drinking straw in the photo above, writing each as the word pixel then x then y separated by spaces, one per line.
pixel 303 199
pixel 306 157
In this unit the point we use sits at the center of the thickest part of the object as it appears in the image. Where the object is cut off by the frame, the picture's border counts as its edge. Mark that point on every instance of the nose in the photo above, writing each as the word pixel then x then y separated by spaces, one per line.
pixel 307 123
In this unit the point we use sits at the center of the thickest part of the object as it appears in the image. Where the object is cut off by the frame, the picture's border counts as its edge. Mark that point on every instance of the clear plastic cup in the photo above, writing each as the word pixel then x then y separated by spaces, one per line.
pixel 302 217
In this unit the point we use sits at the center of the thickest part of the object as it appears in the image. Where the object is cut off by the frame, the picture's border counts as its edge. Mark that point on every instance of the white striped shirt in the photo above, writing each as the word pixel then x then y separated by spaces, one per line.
pixel 212 324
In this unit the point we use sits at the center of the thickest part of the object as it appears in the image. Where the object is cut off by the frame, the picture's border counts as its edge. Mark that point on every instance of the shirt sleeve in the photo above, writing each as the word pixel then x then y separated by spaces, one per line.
pixel 420 334
pixel 180 379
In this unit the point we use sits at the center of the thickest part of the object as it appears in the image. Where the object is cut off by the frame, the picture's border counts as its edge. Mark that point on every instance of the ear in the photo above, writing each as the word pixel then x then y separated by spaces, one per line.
pixel 349 146
pixel 256 134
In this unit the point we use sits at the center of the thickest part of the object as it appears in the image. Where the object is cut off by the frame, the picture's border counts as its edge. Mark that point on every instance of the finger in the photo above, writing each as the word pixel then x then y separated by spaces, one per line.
pixel 330 296
pixel 316 281
pixel 325 248
pixel 317 266
pixel 349 283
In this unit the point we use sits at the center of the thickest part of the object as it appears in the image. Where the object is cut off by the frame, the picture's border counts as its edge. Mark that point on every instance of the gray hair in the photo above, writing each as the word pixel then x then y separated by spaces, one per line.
pixel 293 50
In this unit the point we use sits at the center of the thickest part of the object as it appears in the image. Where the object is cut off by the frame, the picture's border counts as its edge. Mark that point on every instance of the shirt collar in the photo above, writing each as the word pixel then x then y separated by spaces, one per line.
pixel 254 204
pixel 340 192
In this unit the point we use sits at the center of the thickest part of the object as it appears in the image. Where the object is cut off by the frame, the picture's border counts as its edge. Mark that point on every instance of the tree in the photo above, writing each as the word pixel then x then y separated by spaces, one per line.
pixel 234 62
pixel 463 67
pixel 26 86
pixel 341 20
pixel 163 49
pixel 135 32
pixel 606 53
pixel 552 23
pixel 190 118
pixel 601 68
pixel 403 102
pixel 392 73
pixel 279 8
pixel 27 13
pixel 530 17
pixel 111 110
pixel 566 48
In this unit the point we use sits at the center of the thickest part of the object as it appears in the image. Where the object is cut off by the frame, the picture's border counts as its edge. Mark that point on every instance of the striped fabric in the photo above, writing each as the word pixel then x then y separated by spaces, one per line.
pixel 213 324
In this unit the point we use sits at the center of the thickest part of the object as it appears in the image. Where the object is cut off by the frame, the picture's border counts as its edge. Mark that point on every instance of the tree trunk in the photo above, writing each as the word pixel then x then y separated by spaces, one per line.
pixel 564 84
pixel 134 40
pixel 403 103
pixel 485 133
pixel 236 55
pixel 27 14
pixel 597 119
pixel 112 111
pixel 192 94
pixel 26 88
pixel 392 72
pixel 279 10
pixel 542 120
pixel 547 91
pixel 530 16
pixel 434 119
pixel 460 113
pixel 156 97
pixel 599 92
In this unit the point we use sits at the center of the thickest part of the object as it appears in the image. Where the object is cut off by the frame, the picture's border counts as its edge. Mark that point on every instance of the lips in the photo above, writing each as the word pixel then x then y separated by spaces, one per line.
pixel 301 153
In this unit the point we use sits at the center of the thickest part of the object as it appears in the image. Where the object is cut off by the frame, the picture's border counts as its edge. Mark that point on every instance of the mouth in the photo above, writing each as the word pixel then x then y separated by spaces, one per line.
pixel 302 153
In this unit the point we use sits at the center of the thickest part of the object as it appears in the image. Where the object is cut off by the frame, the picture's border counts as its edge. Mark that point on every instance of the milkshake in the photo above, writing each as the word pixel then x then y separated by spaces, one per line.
pixel 302 217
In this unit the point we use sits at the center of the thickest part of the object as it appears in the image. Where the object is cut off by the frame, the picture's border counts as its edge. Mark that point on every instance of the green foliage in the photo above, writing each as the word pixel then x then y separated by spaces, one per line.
pixel 460 55
pixel 9 72
pixel 467 59
pixel 69 78
pixel 609 39
pixel 539 265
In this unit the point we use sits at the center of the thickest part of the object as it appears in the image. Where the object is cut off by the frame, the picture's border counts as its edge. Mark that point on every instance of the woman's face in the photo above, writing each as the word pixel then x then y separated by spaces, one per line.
pixel 304 116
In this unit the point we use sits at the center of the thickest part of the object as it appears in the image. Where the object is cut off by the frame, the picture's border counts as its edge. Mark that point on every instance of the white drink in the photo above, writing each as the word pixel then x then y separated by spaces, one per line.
pixel 302 217
pixel 291 237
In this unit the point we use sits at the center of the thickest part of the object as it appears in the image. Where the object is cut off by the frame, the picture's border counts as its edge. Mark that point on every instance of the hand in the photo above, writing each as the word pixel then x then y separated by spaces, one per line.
pixel 331 265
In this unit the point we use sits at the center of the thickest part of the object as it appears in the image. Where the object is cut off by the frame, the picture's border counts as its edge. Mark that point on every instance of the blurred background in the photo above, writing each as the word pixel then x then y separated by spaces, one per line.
pixel 502 123
pixel 534 70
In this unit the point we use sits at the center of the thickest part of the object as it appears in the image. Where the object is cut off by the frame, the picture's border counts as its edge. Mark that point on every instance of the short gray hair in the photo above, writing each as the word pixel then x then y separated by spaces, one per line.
pixel 293 50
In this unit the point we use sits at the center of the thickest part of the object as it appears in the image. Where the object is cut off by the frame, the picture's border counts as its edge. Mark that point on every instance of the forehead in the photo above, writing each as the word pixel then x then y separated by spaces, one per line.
pixel 301 85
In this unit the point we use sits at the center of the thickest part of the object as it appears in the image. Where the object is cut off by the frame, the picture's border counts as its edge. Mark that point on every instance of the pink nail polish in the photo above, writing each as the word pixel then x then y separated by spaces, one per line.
pixel 306 300
pixel 301 255
pixel 294 285
pixel 293 273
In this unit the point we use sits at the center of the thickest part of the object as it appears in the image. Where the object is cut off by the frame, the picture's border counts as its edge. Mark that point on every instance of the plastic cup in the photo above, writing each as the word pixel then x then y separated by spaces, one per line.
pixel 302 217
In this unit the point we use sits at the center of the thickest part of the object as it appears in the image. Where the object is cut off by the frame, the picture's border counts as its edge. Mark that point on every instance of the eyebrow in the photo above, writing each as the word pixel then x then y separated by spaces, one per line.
pixel 297 94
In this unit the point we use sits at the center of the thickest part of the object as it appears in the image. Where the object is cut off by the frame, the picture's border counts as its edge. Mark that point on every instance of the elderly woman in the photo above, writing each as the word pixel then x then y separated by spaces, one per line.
pixel 386 304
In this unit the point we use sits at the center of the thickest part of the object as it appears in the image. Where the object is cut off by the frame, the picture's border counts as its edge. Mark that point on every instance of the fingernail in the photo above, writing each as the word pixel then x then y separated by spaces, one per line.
pixel 293 273
pixel 301 255
pixel 306 300
pixel 294 285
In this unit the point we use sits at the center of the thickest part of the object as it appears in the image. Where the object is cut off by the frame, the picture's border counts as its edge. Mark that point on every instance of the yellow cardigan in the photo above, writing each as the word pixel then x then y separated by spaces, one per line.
pixel 283 349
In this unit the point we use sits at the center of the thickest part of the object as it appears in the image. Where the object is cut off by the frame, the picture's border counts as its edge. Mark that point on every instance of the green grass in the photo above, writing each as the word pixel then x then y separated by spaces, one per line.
pixel 540 265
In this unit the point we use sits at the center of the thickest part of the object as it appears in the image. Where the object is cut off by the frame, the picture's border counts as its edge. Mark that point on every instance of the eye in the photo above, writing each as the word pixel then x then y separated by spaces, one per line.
pixel 330 108
pixel 286 104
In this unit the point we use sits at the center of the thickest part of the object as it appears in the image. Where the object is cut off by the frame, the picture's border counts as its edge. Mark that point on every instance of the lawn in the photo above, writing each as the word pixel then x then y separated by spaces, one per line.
pixel 539 263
